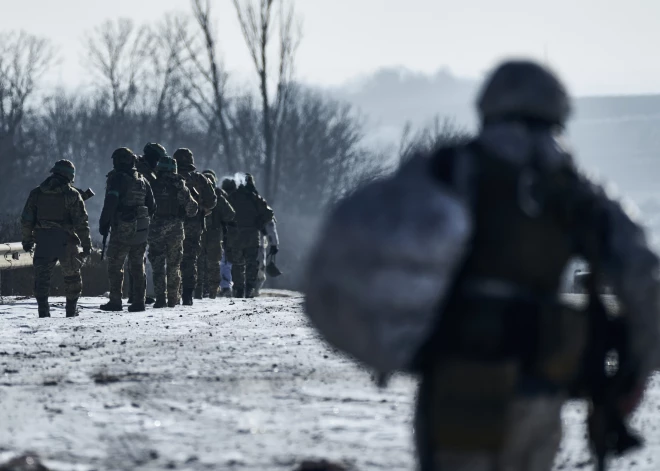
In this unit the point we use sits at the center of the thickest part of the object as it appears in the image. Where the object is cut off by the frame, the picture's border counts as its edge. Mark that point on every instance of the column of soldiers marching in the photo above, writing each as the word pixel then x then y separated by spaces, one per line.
pixel 202 237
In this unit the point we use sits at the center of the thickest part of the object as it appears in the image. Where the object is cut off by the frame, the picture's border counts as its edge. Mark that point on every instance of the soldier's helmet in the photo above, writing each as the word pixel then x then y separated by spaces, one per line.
pixel 249 182
pixel 229 185
pixel 123 158
pixel 64 168
pixel 522 89
pixel 184 159
pixel 166 164
pixel 153 152
pixel 212 175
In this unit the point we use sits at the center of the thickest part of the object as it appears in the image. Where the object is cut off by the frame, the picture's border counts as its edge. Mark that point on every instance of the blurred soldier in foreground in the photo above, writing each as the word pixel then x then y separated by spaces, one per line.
pixel 451 269
pixel 56 219
pixel 252 214
pixel 127 209
pixel 204 193
pixel 208 266
pixel 173 204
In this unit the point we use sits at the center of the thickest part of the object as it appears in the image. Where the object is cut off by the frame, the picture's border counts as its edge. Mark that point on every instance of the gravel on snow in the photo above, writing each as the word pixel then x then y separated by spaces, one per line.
pixel 224 384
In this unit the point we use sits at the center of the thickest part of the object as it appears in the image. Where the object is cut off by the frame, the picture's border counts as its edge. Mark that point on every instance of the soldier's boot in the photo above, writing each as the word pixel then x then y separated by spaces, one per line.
pixel 238 292
pixel 249 291
pixel 72 307
pixel 187 297
pixel 160 301
pixel 226 293
pixel 43 307
pixel 213 293
pixel 137 307
pixel 149 300
pixel 172 302
pixel 111 306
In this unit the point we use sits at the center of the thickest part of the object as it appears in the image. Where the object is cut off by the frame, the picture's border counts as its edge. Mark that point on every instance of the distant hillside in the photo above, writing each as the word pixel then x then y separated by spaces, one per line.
pixel 615 136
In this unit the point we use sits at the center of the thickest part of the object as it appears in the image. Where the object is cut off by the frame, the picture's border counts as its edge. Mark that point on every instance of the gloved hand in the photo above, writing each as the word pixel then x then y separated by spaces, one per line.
pixel 28 246
pixel 273 250
pixel 104 230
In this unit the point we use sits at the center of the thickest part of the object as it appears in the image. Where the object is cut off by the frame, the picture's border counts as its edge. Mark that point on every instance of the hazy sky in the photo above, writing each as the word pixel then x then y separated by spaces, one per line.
pixel 598 46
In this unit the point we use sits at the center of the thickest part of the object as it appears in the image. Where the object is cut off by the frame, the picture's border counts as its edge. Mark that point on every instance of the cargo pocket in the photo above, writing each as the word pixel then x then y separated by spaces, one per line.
pixel 470 402
pixel 141 224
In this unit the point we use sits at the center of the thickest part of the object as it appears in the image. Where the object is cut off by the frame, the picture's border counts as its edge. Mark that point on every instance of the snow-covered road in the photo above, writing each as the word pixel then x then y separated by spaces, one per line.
pixel 225 384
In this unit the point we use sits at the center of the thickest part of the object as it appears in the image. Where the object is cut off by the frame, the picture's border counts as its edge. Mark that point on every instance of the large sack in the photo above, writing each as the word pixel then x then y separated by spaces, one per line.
pixel 384 263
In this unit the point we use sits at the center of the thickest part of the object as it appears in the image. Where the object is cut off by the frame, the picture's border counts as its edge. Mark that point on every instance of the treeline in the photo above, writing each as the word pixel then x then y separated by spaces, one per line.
pixel 165 82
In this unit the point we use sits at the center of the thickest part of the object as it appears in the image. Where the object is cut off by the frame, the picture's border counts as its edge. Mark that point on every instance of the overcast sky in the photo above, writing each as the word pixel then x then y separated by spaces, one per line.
pixel 598 46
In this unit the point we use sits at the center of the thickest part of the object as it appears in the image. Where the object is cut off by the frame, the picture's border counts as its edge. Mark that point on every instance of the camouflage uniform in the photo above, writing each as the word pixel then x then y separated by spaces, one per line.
pixel 129 204
pixel 252 214
pixel 173 204
pixel 55 218
pixel 146 166
pixel 204 194
pixel 208 266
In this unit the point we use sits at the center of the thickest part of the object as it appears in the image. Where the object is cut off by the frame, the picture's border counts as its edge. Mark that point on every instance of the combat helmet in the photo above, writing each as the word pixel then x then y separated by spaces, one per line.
pixel 523 89
pixel 166 164
pixel 212 175
pixel 229 185
pixel 184 159
pixel 153 152
pixel 123 158
pixel 64 168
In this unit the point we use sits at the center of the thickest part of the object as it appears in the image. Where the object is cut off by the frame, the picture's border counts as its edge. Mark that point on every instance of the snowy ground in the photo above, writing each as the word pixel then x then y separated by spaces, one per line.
pixel 225 384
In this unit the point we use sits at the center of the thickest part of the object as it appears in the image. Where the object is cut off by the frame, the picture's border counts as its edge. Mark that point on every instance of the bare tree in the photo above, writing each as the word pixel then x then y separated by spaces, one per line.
pixel 166 86
pixel 206 79
pixel 24 59
pixel 257 20
pixel 117 52
pixel 441 132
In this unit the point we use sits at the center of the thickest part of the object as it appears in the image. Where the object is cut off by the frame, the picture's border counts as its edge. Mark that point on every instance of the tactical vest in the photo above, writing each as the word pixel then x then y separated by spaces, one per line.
pixel 167 201
pixel 503 329
pixel 51 207
pixel 133 198
pixel 247 213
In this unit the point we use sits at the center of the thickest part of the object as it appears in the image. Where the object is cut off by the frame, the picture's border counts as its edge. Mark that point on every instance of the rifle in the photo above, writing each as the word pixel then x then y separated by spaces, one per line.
pixel 608 432
pixel 86 194
pixel 105 237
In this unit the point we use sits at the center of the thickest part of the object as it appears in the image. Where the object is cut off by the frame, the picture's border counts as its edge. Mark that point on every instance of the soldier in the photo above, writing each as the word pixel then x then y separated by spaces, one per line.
pixel 252 215
pixel 146 166
pixel 226 284
pixel 204 194
pixel 451 270
pixel 127 209
pixel 173 204
pixel 56 219
pixel 268 247
pixel 208 266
